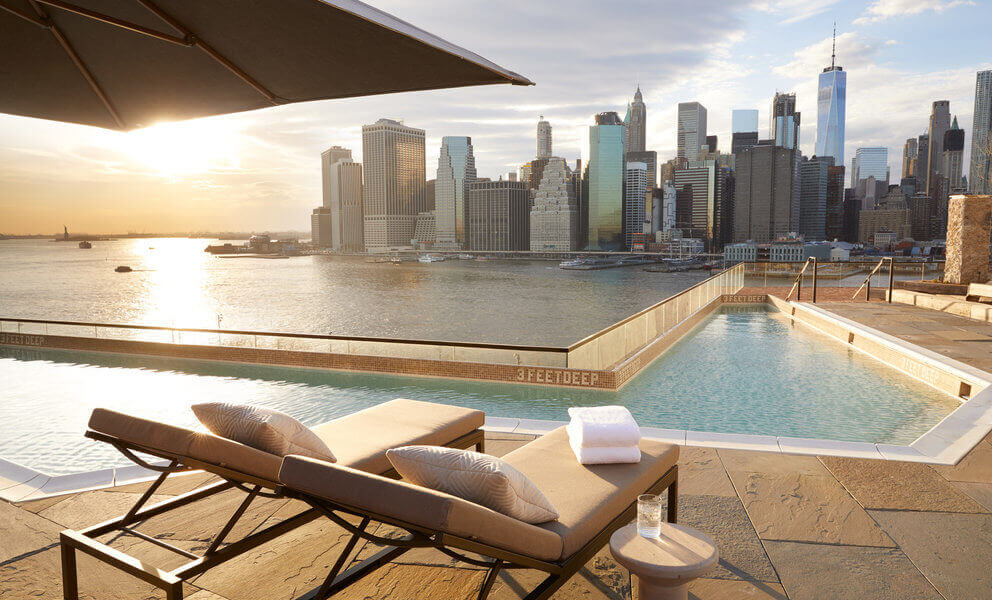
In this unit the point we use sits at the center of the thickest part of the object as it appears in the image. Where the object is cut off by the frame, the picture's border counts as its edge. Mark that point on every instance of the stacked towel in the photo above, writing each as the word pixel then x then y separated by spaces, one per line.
pixel 604 435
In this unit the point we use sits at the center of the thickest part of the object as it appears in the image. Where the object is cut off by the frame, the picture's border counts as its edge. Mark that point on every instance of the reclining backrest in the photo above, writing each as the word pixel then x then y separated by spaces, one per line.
pixel 201 446
pixel 423 507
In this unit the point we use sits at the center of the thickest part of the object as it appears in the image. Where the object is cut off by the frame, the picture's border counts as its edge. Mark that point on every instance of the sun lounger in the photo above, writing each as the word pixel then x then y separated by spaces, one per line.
pixel 592 501
pixel 359 441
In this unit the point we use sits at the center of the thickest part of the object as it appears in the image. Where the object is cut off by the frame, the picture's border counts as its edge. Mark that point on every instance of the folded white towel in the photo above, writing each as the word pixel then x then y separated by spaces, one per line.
pixel 606 455
pixel 603 426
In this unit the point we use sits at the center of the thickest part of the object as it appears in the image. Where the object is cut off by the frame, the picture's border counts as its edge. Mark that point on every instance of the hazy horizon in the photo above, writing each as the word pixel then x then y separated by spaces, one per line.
pixel 260 171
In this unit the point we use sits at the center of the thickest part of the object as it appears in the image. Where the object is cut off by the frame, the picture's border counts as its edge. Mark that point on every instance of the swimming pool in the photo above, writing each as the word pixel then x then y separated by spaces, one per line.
pixel 744 369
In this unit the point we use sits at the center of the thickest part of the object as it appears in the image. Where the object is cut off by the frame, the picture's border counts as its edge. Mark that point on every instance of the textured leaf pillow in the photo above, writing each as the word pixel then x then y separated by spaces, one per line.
pixel 476 477
pixel 262 428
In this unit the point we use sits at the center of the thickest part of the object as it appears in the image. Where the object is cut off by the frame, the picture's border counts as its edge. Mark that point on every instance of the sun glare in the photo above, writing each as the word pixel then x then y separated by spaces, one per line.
pixel 178 149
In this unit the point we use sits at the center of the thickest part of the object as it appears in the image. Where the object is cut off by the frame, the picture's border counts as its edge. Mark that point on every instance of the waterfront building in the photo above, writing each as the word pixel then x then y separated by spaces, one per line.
pixel 393 194
pixel 834 222
pixel 429 193
pixel 650 159
pixel 740 252
pixel 785 121
pixel 498 216
pixel 663 207
pixel 425 231
pixel 635 188
pixel 544 149
pixel 890 215
pixel 691 128
pixel 952 158
pixel 605 183
pixel 554 217
pixel 940 122
pixel 920 215
pixel 908 186
pixel 980 170
pixel 743 140
pixel 814 177
pixel 320 227
pixel 341 189
pixel 704 201
pixel 636 122
pixel 455 173
pixel 766 203
pixel 831 103
pixel 910 153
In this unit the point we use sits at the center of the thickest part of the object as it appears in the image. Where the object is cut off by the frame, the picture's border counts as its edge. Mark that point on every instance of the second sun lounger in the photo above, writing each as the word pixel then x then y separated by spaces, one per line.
pixel 359 441
pixel 592 501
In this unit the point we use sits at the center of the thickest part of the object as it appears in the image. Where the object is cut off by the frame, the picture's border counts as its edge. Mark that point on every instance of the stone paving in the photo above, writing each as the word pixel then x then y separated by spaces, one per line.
pixel 786 526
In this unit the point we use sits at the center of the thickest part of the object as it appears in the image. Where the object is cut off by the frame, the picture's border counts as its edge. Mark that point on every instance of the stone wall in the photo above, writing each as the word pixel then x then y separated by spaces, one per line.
pixel 969 222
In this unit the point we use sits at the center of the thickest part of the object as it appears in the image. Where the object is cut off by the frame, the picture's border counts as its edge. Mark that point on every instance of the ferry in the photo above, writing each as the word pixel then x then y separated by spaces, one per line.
pixel 123 269
pixel 85 245
pixel 430 258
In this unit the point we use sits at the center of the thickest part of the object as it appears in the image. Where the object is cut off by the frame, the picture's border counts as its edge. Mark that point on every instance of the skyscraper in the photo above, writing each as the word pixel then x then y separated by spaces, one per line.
pixel 922 161
pixel 543 138
pixel 702 205
pixel 393 194
pixel 834 222
pixel 635 188
pixel 980 171
pixel 636 122
pixel 649 158
pixel 455 173
pixel 910 152
pixel 814 174
pixel 870 176
pixel 940 122
pixel 605 188
pixel 498 216
pixel 341 187
pixel 554 218
pixel 831 103
pixel 766 206
pixel 785 121
pixel 744 120
pixel 952 158
pixel 691 130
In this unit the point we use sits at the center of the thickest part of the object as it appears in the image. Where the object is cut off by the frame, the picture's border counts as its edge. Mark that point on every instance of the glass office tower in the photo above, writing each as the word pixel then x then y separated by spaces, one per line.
pixel 455 173
pixel 830 111
pixel 606 140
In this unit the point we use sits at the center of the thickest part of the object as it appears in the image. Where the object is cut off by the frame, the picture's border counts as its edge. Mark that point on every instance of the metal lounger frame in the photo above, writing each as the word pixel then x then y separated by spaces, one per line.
pixel 498 558
pixel 171 581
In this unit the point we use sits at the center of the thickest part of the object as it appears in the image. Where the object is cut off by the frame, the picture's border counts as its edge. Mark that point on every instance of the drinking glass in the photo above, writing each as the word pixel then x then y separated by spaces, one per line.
pixel 649 515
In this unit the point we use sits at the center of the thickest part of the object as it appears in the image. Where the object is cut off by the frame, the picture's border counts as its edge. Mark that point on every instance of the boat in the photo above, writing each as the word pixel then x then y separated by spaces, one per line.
pixel 571 263
pixel 430 258
pixel 123 269
pixel 464 257
pixel 85 245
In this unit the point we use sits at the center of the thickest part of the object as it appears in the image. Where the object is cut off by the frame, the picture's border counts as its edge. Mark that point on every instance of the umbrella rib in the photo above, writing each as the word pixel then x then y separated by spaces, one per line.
pixel 80 65
pixel 109 20
pixel 37 21
pixel 214 54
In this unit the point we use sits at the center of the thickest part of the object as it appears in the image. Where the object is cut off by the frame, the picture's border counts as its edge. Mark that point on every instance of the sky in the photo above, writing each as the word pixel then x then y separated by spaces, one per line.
pixel 260 171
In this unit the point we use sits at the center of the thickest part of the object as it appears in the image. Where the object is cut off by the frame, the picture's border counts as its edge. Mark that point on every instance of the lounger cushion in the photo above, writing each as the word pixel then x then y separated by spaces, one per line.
pixel 476 477
pixel 360 440
pixel 420 506
pixel 262 428
pixel 587 497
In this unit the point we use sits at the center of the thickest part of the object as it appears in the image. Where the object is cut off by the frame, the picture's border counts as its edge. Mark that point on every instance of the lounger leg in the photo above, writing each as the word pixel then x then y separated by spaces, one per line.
pixel 487 583
pixel 325 588
pixel 673 499
pixel 174 592
pixel 480 447
pixel 70 582
pixel 548 587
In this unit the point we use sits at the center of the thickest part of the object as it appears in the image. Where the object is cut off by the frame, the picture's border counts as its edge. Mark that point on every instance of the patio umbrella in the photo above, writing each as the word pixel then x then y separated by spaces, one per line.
pixel 124 64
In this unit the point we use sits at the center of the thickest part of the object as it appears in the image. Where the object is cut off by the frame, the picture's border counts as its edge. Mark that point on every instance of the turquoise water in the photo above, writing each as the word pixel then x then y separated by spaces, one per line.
pixel 743 370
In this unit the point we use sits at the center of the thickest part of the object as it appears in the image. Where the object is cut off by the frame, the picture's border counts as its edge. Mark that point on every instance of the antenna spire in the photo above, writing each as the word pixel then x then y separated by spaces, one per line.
pixel 833 50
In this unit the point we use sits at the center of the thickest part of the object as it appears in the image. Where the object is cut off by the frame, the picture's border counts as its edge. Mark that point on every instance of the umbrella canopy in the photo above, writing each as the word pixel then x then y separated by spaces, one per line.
pixel 123 64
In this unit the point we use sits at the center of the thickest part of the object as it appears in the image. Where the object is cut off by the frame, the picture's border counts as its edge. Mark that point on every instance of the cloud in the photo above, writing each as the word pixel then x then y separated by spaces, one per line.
pixel 793 12
pixel 881 10
pixel 852 48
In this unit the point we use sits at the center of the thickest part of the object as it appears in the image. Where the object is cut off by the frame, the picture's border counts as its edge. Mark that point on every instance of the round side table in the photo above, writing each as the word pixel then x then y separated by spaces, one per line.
pixel 665 565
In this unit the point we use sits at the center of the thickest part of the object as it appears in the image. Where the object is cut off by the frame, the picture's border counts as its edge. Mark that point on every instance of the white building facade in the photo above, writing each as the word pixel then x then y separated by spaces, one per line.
pixel 554 218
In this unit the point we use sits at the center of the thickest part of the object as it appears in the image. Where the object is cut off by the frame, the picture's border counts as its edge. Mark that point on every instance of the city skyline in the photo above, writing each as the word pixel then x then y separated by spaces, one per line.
pixel 257 171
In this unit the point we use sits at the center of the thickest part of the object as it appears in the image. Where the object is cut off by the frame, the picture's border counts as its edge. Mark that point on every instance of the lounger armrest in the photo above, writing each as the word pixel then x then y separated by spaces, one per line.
pixel 420 506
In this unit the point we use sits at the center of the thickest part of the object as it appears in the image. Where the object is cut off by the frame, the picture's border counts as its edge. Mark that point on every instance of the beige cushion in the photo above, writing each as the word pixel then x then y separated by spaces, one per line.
pixel 587 497
pixel 262 428
pixel 476 477
pixel 417 505
pixel 360 439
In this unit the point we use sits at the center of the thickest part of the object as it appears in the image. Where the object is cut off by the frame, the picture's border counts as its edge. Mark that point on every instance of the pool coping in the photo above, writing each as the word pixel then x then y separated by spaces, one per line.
pixel 944 444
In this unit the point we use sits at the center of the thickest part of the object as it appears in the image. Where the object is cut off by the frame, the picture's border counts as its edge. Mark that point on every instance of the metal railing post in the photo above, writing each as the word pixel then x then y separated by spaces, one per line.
pixel 892 268
pixel 813 258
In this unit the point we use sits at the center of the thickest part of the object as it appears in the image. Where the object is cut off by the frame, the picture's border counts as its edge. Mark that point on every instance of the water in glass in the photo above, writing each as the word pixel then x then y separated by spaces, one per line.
pixel 649 515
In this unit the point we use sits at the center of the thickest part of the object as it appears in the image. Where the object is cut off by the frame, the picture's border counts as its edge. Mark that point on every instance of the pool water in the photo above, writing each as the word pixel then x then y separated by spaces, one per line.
pixel 744 369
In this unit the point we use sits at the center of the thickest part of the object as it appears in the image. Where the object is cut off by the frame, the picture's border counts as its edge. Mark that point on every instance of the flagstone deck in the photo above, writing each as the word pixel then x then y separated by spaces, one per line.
pixel 787 527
